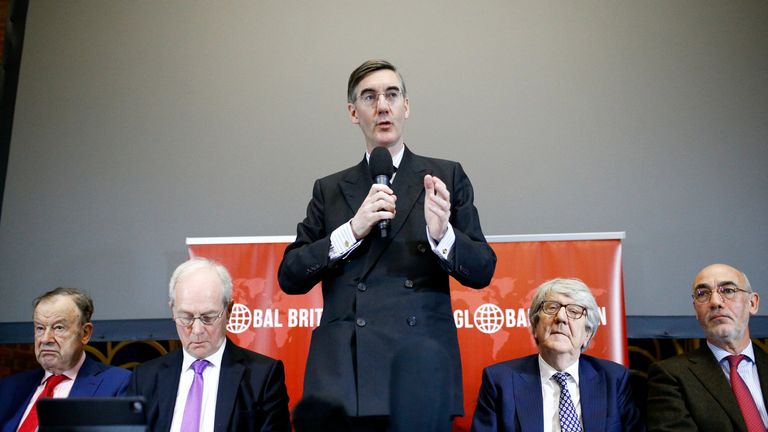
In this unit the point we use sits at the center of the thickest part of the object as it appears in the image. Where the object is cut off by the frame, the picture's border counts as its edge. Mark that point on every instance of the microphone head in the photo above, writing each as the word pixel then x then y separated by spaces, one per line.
pixel 380 163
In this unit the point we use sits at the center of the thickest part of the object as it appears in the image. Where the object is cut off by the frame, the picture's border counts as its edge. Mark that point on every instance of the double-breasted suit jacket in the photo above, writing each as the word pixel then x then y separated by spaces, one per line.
pixel 385 290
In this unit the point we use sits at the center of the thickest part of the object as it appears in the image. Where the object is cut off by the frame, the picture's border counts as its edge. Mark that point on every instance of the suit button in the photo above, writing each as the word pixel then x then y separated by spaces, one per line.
pixel 408 283
pixel 411 321
pixel 421 247
pixel 362 287
pixel 361 322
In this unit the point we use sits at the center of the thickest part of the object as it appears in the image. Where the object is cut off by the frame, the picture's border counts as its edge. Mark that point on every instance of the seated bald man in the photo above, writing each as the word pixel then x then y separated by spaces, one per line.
pixel 722 385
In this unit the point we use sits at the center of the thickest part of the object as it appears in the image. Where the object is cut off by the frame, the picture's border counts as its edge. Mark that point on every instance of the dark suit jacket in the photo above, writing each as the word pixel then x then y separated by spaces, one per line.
pixel 691 393
pixel 93 379
pixel 386 289
pixel 510 397
pixel 252 394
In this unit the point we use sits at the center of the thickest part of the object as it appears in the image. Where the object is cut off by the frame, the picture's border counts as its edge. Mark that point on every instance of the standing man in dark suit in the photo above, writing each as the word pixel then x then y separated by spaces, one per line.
pixel 721 386
pixel 210 384
pixel 378 291
pixel 62 320
pixel 560 389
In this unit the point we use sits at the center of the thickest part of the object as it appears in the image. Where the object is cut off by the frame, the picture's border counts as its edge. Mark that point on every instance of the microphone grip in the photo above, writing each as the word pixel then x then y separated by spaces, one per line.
pixel 384 223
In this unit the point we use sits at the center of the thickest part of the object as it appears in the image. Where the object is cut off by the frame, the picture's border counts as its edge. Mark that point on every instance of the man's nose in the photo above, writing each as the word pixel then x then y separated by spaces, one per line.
pixel 47 335
pixel 716 299
pixel 381 103
pixel 197 326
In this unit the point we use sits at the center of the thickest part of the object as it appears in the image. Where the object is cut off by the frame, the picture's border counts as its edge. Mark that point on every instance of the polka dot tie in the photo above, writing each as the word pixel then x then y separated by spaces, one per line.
pixel 569 421
pixel 744 397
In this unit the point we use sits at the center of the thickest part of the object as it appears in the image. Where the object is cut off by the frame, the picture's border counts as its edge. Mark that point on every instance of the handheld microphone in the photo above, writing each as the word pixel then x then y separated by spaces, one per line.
pixel 380 164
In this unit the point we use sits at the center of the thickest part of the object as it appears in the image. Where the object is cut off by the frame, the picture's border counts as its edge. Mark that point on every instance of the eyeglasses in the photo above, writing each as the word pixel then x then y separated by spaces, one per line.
pixel 573 311
pixel 188 321
pixel 727 292
pixel 370 98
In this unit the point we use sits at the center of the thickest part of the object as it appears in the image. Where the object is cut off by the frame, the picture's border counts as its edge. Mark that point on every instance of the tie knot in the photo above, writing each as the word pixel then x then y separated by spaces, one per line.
pixel 561 378
pixel 199 366
pixel 734 360
pixel 55 380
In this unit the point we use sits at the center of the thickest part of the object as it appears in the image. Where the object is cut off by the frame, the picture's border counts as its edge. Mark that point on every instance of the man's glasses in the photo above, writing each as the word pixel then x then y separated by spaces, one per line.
pixel 573 311
pixel 188 321
pixel 727 292
pixel 370 98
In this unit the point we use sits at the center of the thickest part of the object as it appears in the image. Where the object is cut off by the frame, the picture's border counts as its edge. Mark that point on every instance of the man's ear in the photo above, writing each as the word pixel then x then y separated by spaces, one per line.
pixel 754 303
pixel 87 333
pixel 353 113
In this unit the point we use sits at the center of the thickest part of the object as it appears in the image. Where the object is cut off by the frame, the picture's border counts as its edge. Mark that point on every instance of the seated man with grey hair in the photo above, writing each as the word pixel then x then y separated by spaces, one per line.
pixel 210 384
pixel 558 389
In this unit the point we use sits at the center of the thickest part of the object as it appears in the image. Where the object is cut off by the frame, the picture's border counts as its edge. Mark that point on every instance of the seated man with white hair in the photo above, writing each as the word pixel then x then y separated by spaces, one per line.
pixel 558 389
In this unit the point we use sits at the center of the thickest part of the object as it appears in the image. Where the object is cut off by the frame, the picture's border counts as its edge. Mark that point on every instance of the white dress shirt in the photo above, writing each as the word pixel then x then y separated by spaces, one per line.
pixel 210 389
pixel 550 394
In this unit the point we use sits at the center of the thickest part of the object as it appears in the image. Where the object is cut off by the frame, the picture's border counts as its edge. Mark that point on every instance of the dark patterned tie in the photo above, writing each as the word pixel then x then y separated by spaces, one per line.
pixel 569 421
pixel 744 397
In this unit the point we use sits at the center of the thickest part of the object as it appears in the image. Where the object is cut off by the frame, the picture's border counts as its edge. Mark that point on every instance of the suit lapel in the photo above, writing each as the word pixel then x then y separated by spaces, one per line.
pixel 88 379
pixel 704 367
pixel 527 385
pixel 761 360
pixel 168 387
pixel 355 186
pixel 407 186
pixel 593 386
pixel 230 376
pixel 30 385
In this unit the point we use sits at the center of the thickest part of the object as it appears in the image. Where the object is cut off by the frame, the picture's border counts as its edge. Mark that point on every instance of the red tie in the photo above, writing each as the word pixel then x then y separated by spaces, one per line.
pixel 744 397
pixel 30 423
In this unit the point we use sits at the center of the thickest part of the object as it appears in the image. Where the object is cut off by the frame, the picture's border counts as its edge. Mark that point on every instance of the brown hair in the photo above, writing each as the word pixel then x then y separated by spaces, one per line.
pixel 366 69
pixel 82 300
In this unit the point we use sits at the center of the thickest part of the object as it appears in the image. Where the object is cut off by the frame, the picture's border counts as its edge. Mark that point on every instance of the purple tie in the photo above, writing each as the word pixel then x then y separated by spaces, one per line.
pixel 191 420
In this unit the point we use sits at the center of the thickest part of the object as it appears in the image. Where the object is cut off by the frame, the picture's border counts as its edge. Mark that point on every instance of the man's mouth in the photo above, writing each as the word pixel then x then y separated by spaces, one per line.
pixel 719 317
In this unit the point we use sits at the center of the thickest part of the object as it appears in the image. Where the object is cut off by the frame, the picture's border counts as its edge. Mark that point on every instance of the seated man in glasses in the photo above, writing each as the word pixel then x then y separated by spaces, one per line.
pixel 722 385
pixel 210 384
pixel 558 389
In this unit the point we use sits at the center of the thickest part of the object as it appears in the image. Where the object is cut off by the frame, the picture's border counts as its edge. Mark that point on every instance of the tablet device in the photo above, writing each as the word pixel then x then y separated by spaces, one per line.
pixel 120 414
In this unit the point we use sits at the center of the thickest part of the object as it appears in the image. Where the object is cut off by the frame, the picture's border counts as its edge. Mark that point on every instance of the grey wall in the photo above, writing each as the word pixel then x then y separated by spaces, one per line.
pixel 141 123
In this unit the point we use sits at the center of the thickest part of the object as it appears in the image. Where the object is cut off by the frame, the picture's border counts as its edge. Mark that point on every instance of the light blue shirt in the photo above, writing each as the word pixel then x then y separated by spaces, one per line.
pixel 747 370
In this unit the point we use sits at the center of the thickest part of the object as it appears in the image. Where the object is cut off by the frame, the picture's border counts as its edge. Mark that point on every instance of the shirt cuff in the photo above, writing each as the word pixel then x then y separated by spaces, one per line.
pixel 342 242
pixel 444 248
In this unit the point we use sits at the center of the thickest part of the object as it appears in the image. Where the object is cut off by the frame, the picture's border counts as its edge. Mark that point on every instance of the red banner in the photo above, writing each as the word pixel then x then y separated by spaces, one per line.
pixel 492 323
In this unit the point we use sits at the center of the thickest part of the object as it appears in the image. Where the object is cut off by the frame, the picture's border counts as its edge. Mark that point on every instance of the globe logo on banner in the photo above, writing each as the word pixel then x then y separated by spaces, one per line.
pixel 489 318
pixel 239 319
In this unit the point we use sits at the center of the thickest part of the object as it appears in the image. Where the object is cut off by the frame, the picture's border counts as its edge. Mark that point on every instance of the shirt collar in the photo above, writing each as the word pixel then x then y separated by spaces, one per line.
pixel 546 371
pixel 721 354
pixel 396 158
pixel 214 359
pixel 70 373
